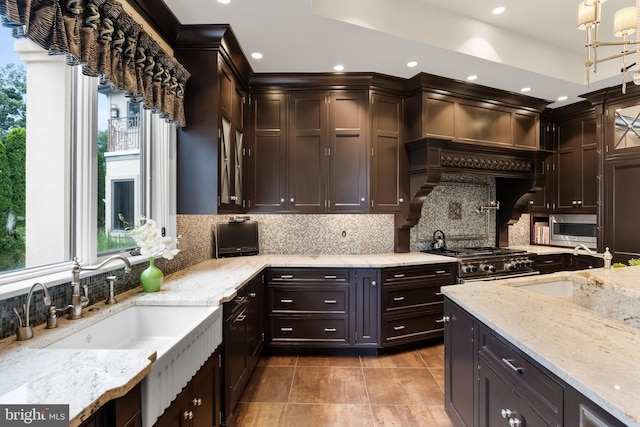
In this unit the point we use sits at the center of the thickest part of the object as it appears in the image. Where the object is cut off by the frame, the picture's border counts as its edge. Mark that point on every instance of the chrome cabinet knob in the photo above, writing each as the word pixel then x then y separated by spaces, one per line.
pixel 373 283
pixel 187 415
pixel 514 422
pixel 292 200
pixel 196 401
pixel 506 413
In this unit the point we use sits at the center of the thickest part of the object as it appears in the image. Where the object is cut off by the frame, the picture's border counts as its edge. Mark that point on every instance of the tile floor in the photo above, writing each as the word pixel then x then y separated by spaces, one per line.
pixel 402 389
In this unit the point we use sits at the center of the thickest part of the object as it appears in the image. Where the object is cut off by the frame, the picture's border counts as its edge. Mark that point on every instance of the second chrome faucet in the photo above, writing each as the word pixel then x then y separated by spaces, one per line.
pixel 78 300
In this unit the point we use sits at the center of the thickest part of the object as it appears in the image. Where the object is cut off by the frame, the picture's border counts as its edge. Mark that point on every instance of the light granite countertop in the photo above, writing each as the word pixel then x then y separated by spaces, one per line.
pixel 87 379
pixel 593 352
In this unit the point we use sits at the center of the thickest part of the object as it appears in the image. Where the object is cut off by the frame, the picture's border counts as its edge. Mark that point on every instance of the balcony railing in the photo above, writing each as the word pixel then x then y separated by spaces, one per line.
pixel 124 134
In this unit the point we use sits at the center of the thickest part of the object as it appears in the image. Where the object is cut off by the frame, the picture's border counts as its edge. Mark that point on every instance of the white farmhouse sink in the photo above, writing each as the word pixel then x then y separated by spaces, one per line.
pixel 183 337
pixel 556 287
pixel 139 327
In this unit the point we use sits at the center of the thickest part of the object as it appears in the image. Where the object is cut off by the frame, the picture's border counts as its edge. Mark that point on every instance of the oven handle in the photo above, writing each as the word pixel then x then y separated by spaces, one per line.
pixel 490 278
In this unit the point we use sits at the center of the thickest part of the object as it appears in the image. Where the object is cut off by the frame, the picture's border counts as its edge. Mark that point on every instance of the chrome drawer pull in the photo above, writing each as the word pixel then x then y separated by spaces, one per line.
pixel 398 328
pixel 549 261
pixel 398 298
pixel 286 329
pixel 439 294
pixel 445 319
pixel 330 301
pixel 398 276
pixel 241 317
pixel 330 277
pixel 287 276
pixel 441 271
pixel 330 329
pixel 286 301
pixel 509 363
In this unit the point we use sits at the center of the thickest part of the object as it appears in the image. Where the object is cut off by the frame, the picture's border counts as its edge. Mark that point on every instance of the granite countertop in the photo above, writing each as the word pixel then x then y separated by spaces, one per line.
pixel 544 250
pixel 594 353
pixel 87 379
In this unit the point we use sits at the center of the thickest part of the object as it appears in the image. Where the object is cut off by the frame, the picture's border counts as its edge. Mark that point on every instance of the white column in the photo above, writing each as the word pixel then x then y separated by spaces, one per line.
pixel 48 161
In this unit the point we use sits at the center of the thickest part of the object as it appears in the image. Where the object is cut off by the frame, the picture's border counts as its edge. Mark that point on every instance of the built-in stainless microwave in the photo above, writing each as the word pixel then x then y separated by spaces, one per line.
pixel 573 229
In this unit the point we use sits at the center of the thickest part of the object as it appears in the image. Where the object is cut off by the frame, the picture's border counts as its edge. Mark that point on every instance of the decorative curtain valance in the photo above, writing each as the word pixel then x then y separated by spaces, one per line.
pixel 107 41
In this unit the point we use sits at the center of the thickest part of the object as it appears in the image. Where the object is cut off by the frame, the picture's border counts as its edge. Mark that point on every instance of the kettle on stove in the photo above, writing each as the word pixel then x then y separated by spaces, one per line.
pixel 438 242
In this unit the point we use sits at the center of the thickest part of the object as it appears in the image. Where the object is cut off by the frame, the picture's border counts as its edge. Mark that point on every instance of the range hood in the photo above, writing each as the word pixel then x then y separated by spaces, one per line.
pixel 519 174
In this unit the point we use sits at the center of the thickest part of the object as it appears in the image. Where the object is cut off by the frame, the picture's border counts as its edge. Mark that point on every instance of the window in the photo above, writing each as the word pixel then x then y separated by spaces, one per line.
pixel 74 154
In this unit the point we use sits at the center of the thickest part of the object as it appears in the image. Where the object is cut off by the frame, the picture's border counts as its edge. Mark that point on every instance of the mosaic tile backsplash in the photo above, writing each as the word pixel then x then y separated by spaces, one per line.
pixel 453 207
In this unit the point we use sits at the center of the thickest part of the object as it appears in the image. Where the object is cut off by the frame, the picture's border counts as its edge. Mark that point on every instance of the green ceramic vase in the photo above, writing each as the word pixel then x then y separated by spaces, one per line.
pixel 151 278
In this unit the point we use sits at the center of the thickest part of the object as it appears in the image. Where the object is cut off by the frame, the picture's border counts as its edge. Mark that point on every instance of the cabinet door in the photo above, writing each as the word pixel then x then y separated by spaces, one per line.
pixel 254 322
pixel 388 155
pixel 568 178
pixel 178 414
pixel 269 160
pixel 367 307
pixel 622 227
pixel 235 358
pixel 347 152
pixel 544 199
pixel 308 152
pixel 203 395
pixel 459 368
pixel 495 395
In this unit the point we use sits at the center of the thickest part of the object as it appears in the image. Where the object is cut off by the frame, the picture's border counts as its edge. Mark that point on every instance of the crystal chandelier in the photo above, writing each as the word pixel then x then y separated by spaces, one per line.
pixel 625 23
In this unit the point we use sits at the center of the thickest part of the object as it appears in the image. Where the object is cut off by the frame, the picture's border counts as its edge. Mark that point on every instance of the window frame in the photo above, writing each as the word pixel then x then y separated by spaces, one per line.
pixel 159 198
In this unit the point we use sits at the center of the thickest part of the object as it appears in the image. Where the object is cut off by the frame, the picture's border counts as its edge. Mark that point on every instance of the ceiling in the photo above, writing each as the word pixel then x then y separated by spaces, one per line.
pixel 532 44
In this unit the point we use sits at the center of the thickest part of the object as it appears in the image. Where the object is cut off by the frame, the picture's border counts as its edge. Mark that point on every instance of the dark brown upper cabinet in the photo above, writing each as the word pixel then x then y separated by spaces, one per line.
pixel 327 153
pixel 388 155
pixel 269 144
pixel 474 121
pixel 544 200
pixel 578 167
pixel 231 136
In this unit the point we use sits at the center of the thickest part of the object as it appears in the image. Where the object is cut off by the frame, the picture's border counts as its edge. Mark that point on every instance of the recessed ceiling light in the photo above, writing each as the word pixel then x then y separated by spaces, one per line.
pixel 563 98
pixel 338 67
pixel 412 64
pixel 472 77
pixel 256 55
pixel 497 11
pixel 525 89
pixel 224 1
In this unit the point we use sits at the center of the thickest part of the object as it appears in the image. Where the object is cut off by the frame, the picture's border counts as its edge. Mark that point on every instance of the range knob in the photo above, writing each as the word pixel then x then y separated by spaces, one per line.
pixel 487 267
pixel 529 263
pixel 469 268
pixel 509 266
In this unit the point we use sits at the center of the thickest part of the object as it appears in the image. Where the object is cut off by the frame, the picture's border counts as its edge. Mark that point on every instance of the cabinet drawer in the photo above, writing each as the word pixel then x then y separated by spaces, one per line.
pixel 412 325
pixel 307 275
pixel 436 274
pixel 316 329
pixel 407 296
pixel 550 263
pixel 287 299
pixel 542 392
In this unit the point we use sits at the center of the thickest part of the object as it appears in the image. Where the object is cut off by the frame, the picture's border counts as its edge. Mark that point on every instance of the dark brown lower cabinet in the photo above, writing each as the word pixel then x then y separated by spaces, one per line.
pixel 491 383
pixel 551 263
pixel 243 340
pixel 200 402
pixel 460 355
pixel 124 411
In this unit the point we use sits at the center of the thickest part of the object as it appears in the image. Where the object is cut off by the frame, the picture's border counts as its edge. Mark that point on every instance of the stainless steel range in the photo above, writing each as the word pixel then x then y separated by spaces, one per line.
pixel 489 263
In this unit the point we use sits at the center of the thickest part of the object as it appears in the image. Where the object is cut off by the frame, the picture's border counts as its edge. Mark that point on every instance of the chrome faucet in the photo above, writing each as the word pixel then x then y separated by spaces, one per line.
pixel 78 302
pixel 606 256
pixel 25 331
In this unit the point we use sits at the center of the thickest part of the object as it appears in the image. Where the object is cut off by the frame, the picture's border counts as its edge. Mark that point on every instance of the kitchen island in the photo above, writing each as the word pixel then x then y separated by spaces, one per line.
pixel 568 335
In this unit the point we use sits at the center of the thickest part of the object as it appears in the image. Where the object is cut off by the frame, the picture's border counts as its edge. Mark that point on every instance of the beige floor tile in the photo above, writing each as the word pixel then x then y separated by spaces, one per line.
pixel 269 384
pixel 410 416
pixel 438 374
pixel 328 385
pixel 406 359
pixel 402 386
pixel 335 361
pixel 433 355
pixel 323 415
pixel 278 360
pixel 259 414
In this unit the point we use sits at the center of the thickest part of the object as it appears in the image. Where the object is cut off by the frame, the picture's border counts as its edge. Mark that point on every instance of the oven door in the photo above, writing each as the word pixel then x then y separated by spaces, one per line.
pixel 461 280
